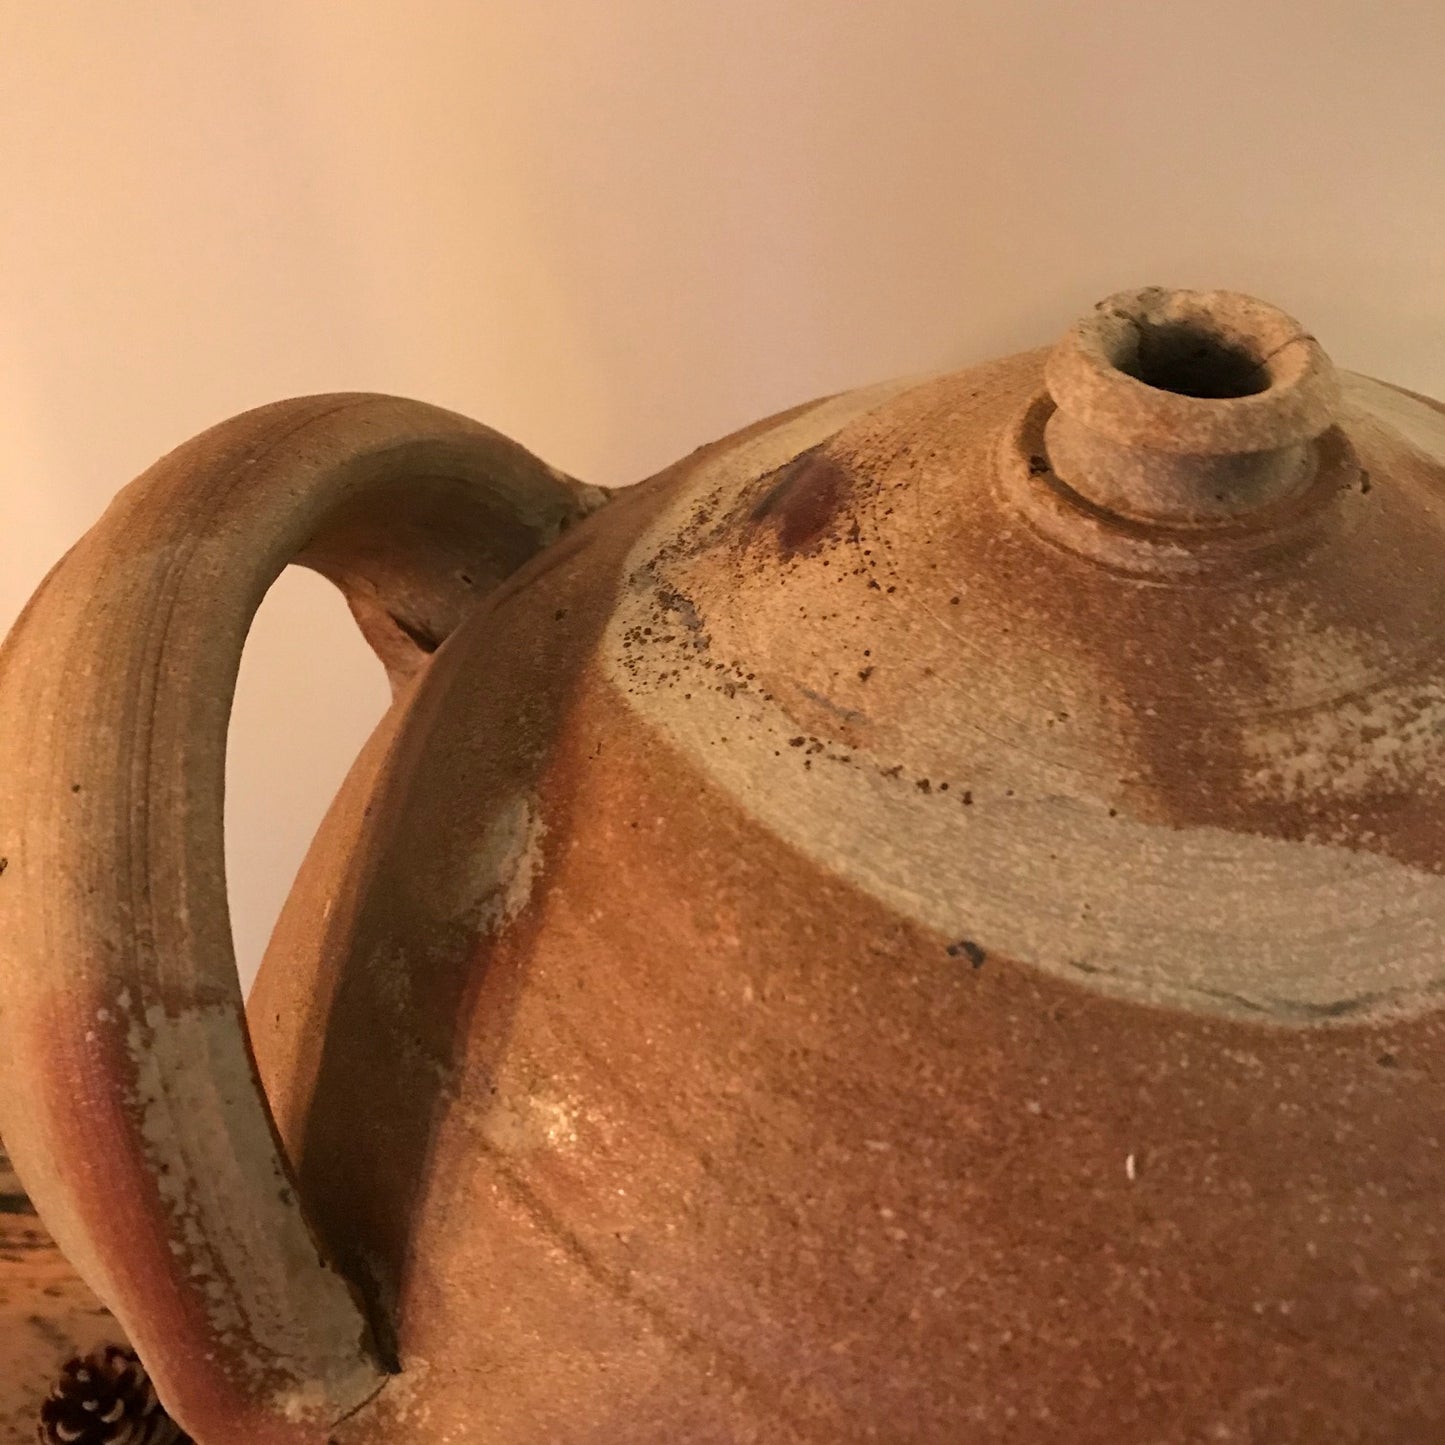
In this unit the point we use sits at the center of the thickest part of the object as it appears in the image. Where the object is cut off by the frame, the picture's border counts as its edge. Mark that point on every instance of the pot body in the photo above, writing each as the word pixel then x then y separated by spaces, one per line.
pixel 639 1116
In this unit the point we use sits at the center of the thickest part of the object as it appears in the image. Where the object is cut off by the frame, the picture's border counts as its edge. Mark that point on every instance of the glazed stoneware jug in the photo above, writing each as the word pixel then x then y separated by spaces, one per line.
pixel 922 923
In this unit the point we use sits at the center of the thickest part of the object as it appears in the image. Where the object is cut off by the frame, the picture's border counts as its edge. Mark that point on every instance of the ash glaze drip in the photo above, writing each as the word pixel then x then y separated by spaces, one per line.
pixel 1187 408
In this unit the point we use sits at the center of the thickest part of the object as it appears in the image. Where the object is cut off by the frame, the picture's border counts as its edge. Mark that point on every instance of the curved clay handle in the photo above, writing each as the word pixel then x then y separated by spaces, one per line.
pixel 128 1094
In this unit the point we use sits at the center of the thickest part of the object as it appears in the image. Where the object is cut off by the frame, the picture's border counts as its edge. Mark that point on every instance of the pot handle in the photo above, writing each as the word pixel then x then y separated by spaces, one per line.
pixel 129 1096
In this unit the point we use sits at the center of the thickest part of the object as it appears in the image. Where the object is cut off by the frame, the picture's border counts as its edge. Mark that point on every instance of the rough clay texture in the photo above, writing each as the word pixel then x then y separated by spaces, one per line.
pixel 851 944
pixel 1220 789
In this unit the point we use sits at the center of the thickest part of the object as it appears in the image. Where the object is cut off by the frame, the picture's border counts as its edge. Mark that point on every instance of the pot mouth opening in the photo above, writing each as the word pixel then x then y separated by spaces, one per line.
pixel 1193 372
pixel 1191 358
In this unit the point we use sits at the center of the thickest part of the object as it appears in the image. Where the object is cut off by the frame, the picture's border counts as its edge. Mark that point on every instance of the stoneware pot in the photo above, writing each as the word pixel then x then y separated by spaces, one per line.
pixel 921 923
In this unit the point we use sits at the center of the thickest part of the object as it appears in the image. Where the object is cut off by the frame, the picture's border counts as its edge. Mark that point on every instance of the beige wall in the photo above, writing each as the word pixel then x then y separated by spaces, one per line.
pixel 616 228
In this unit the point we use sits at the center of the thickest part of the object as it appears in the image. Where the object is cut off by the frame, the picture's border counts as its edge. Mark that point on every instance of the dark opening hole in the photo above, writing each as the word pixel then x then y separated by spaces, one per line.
pixel 1192 361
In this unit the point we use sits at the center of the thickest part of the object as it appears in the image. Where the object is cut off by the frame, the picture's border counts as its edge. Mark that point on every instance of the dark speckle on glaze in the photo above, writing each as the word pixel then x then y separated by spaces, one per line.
pixel 803 500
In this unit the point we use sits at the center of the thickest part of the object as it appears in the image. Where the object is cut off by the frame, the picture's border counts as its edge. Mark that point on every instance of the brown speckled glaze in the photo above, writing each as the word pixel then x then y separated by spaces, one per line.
pixel 921 923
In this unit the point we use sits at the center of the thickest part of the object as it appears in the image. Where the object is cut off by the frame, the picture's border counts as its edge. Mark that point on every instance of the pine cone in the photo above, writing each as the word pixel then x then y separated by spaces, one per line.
pixel 107 1399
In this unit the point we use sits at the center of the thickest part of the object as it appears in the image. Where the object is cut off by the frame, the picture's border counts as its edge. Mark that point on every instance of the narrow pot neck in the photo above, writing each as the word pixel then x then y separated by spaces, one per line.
pixel 1187 408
